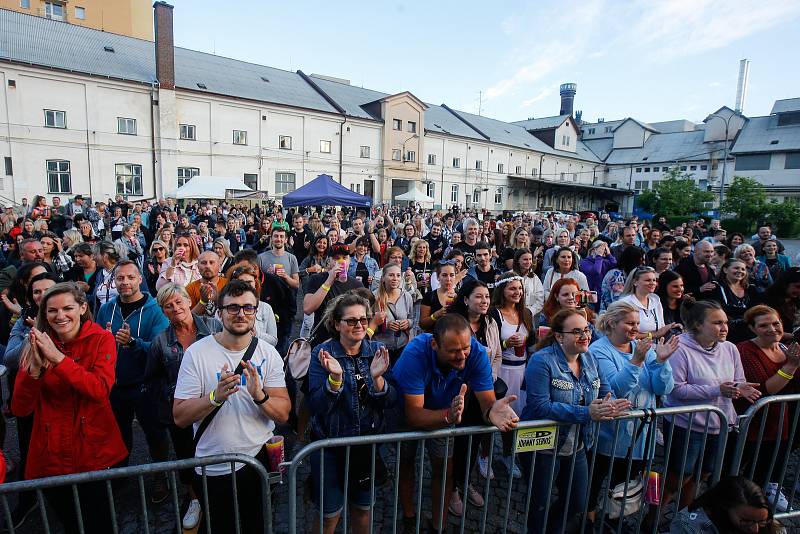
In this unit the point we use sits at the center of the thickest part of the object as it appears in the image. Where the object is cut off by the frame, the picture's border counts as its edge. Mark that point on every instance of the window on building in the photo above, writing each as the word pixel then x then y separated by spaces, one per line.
pixel 325 147
pixel 126 126
pixel 501 168
pixel 54 10
pixel 498 195
pixel 714 166
pixel 647 169
pixel 355 188
pixel 411 156
pixel 607 129
pixel 478 165
pixel 59 179
pixel 129 179
pixel 753 162
pixel 251 181
pixel 683 167
pixel 411 127
pixel 703 167
pixel 397 124
pixel 792 161
pixel 563 176
pixel 25 4
pixel 456 163
pixel 638 169
pixel 284 182
pixel 80 13
pixel 188 132
pixel 664 169
pixel 397 154
pixel 641 185
pixel 9 166
pixel 454 193
pixel 285 142
pixel 55 119
pixel 574 176
pixel 431 159
pixel 518 169
pixel 534 172
pixel 239 137
pixel 364 152
pixel 693 167
pixel 185 174
pixel 591 131
pixel 430 189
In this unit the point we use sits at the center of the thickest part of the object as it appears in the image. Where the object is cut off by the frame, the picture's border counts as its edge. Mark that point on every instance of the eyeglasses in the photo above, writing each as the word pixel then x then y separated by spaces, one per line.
pixel 586 332
pixel 234 309
pixel 746 523
pixel 353 321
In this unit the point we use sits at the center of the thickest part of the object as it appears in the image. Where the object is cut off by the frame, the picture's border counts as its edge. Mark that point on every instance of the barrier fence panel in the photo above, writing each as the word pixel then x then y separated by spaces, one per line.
pixel 767 434
pixel 75 484
pixel 561 485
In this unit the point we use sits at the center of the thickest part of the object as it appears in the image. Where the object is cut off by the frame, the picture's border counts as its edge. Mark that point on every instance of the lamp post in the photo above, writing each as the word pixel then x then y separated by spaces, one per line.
pixel 725 156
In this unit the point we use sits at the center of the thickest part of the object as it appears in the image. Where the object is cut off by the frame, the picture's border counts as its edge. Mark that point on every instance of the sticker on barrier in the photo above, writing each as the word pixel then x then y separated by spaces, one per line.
pixel 536 439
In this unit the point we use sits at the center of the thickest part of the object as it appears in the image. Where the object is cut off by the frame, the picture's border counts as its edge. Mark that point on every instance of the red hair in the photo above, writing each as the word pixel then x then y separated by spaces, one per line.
pixel 552 306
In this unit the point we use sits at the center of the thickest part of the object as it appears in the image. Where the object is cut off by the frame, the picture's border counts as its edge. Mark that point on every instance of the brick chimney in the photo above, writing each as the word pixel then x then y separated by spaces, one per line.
pixel 165 45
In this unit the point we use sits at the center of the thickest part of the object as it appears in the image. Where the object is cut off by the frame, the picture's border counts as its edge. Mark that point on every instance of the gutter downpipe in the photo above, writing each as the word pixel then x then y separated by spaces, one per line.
pixel 153 137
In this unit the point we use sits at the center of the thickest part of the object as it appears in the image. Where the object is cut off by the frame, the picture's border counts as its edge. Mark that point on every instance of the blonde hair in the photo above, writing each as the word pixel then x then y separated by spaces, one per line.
pixel 381 296
pixel 615 313
pixel 414 246
pixel 169 290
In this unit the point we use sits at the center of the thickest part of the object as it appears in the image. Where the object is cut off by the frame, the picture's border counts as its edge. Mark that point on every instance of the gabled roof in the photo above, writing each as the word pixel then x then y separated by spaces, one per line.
pixel 786 105
pixel 40 41
pixel 643 125
pixel 601 147
pixel 759 134
pixel 667 148
pixel 349 97
pixel 404 94
pixel 543 123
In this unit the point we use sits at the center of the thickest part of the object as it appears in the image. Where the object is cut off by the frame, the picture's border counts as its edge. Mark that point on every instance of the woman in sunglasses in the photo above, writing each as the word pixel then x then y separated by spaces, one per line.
pixel 564 383
pixel 348 396
pixel 157 256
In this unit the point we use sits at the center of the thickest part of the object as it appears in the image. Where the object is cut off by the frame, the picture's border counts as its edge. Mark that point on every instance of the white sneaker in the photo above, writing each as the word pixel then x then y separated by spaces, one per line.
pixel 192 517
pixel 485 468
pixel 772 491
pixel 512 466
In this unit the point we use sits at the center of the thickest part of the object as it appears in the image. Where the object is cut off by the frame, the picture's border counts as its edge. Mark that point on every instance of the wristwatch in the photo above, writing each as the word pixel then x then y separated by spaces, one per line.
pixel 262 401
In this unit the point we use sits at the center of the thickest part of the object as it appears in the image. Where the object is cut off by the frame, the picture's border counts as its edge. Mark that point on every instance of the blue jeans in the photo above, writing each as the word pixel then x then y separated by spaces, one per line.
pixel 570 503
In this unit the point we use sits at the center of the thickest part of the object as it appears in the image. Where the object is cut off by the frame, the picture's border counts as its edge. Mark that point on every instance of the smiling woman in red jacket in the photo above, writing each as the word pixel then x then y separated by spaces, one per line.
pixel 65 378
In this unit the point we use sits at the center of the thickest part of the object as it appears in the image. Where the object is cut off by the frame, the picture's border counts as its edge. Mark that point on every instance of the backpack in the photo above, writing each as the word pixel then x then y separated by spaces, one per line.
pixel 296 364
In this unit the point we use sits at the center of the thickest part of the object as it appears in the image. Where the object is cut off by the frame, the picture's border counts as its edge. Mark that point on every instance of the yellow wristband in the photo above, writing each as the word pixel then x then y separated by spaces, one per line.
pixel 203 302
pixel 213 400
pixel 325 288
pixel 334 383
pixel 784 374
pixel 433 317
pixel 370 332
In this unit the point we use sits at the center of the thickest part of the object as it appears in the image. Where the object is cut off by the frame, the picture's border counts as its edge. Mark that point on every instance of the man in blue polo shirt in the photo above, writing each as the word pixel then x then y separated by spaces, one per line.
pixel 433 374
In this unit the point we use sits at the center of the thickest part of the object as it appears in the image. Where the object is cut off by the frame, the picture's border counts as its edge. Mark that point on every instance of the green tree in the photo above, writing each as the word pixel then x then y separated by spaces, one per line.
pixel 675 195
pixel 746 198
pixel 784 215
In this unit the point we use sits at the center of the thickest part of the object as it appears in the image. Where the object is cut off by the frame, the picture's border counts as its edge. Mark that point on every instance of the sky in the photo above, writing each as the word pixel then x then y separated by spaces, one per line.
pixel 652 60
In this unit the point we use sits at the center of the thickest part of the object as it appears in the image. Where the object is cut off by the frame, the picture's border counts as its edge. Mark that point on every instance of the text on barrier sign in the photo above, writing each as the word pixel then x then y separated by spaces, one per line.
pixel 536 439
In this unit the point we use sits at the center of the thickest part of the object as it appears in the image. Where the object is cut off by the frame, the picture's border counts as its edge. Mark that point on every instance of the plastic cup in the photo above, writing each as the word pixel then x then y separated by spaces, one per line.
pixel 542 331
pixel 652 494
pixel 279 269
pixel 342 271
pixel 275 454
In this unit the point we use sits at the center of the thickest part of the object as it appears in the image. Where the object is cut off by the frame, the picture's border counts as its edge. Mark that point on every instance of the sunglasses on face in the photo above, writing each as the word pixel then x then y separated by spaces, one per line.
pixel 158 249
pixel 353 321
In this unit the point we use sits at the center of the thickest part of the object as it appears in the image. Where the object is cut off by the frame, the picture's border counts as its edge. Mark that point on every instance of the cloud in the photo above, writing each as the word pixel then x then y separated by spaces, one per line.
pixel 544 93
pixel 689 27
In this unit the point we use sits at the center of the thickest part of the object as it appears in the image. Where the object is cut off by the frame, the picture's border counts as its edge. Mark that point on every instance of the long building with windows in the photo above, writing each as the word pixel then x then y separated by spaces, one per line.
pixel 91 112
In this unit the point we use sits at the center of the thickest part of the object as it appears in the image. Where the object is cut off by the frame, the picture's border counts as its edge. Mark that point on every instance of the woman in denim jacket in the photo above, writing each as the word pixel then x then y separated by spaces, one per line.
pixel 348 396
pixel 638 371
pixel 564 383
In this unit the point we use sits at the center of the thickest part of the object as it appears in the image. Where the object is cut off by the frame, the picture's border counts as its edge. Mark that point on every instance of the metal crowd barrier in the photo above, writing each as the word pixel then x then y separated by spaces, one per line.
pixel 530 438
pixel 39 486
pixel 760 460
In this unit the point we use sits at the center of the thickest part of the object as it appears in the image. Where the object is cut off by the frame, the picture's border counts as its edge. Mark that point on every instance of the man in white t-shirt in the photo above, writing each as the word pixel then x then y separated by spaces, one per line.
pixel 250 404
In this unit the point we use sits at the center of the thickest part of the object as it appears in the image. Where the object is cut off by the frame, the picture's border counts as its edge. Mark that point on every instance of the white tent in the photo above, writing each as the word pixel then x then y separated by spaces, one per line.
pixel 216 187
pixel 415 195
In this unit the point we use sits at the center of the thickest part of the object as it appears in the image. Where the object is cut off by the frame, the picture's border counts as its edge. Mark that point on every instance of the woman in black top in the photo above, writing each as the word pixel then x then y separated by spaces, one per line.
pixel 735 295
pixel 421 266
pixel 520 240
pixel 434 303
pixel 670 291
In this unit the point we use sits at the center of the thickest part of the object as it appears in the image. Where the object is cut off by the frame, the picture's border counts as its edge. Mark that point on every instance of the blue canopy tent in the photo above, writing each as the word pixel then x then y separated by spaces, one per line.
pixel 324 191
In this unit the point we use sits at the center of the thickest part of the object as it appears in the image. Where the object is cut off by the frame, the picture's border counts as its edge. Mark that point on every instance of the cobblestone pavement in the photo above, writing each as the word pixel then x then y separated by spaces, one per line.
pixel 497 514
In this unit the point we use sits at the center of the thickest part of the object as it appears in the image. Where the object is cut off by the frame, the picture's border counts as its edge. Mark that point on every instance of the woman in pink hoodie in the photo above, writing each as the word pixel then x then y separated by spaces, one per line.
pixel 707 369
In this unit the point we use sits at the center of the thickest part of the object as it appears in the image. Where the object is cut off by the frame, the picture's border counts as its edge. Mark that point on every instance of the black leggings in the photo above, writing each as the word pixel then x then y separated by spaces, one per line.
pixel 95 510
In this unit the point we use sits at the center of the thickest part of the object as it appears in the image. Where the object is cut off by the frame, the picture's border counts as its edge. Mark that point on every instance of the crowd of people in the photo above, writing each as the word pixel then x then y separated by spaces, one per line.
pixel 180 317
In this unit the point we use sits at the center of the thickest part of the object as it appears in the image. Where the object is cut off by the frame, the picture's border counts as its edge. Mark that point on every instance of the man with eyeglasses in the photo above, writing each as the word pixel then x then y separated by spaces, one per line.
pixel 250 402
pixel 433 374
pixel 326 286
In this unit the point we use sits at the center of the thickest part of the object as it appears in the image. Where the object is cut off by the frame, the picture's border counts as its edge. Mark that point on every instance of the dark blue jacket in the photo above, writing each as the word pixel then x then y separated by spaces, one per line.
pixel 146 323
pixel 347 412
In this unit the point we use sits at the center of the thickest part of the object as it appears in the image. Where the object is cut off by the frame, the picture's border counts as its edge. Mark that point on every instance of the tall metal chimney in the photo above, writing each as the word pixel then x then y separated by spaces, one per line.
pixel 741 87
pixel 567 91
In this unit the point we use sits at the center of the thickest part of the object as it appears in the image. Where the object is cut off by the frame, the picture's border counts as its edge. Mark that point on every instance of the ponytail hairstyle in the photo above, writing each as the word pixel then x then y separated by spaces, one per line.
pixel 381 295
pixel 335 310
pixel 694 312
pixel 556 324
